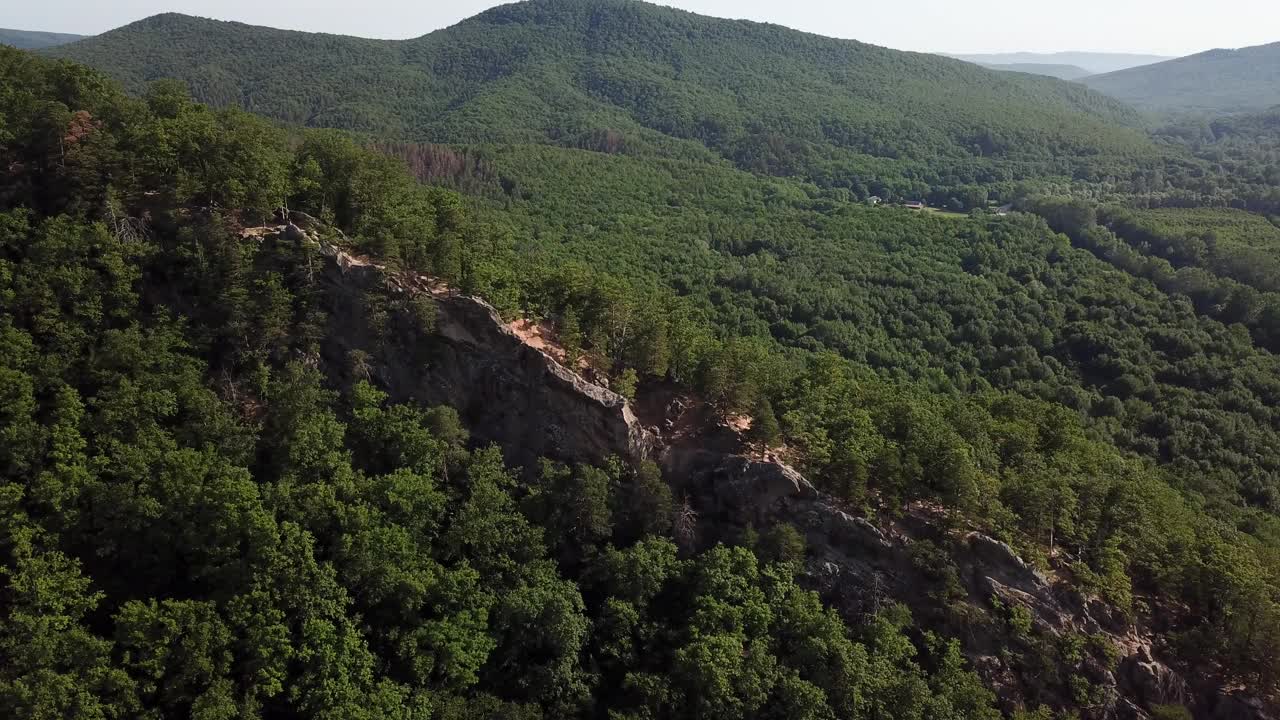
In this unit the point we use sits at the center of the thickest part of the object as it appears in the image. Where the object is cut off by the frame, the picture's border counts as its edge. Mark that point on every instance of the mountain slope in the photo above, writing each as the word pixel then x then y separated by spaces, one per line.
pixel 205 446
pixel 1062 72
pixel 565 71
pixel 34 40
pixel 1094 63
pixel 1230 81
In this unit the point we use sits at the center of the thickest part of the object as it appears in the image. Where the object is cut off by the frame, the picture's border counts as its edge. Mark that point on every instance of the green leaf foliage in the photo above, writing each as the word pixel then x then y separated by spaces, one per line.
pixel 207 515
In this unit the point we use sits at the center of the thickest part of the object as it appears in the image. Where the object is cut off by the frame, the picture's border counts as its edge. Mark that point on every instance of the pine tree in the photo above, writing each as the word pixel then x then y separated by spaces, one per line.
pixel 570 336
pixel 764 432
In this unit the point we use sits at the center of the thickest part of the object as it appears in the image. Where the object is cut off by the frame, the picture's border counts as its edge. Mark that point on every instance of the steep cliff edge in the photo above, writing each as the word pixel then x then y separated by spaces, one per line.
pixel 509 392
pixel 506 391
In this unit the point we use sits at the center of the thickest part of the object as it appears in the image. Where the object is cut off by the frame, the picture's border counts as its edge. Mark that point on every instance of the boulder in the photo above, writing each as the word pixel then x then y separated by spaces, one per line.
pixel 997 559
pixel 761 485
pixel 1150 681
pixel 1104 615
pixel 294 234
pixel 853 535
pixel 737 488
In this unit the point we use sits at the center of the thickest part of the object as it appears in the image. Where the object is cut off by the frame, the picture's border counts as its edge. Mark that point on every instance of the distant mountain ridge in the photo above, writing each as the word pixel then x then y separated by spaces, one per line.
pixel 610 74
pixel 1062 72
pixel 34 39
pixel 1217 81
pixel 1093 63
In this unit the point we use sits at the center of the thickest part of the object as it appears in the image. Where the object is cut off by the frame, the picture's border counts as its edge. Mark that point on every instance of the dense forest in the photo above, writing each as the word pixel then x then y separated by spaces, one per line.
pixel 198 524
pixel 1217 82
pixel 574 73
pixel 1241 152
pixel 32 40
pixel 204 517
pixel 630 78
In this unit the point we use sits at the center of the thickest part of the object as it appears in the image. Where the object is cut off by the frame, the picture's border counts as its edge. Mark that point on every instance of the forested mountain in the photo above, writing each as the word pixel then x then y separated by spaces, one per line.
pixel 618 74
pixel 1064 72
pixel 209 509
pixel 1035 456
pixel 33 40
pixel 1217 81
pixel 1094 63
pixel 1245 146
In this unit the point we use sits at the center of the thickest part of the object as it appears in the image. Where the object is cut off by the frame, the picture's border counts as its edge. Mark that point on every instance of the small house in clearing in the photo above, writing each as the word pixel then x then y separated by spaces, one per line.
pixel 873 200
pixel 914 205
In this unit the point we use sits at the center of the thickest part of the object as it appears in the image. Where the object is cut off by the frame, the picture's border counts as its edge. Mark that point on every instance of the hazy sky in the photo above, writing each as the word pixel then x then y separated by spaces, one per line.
pixel 1167 27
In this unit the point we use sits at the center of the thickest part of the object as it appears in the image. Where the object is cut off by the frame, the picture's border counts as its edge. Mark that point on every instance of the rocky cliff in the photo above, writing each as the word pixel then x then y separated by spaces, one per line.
pixel 506 391
pixel 463 354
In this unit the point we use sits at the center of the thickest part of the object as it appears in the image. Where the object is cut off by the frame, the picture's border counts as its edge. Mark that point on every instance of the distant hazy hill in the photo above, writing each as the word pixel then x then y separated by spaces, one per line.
pixel 1065 72
pixel 1215 81
pixel 33 40
pixel 596 73
pixel 1092 63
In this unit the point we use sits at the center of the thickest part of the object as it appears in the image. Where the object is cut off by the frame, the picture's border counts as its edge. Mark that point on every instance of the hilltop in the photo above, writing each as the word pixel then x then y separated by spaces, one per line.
pixel 34 40
pixel 1217 81
pixel 635 77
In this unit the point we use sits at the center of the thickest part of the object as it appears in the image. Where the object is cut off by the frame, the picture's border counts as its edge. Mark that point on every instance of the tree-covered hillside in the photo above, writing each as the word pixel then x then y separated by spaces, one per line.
pixel 633 77
pixel 222 520
pixel 1213 82
pixel 34 40
pixel 1252 138
pixel 203 516
pixel 961 303
pixel 1232 243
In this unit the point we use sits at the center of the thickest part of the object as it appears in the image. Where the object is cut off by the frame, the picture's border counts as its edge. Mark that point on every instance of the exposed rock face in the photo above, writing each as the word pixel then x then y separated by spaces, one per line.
pixel 505 391
pixel 738 489
pixel 1003 564
pixel 1150 681
pixel 1240 707
pixel 519 397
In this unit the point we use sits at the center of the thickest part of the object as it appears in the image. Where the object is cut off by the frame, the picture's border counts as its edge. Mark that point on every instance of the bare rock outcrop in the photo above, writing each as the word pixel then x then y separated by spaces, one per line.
pixel 1236 706
pixel 1150 681
pixel 1002 563
pixel 518 396
pixel 506 391
pixel 735 488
